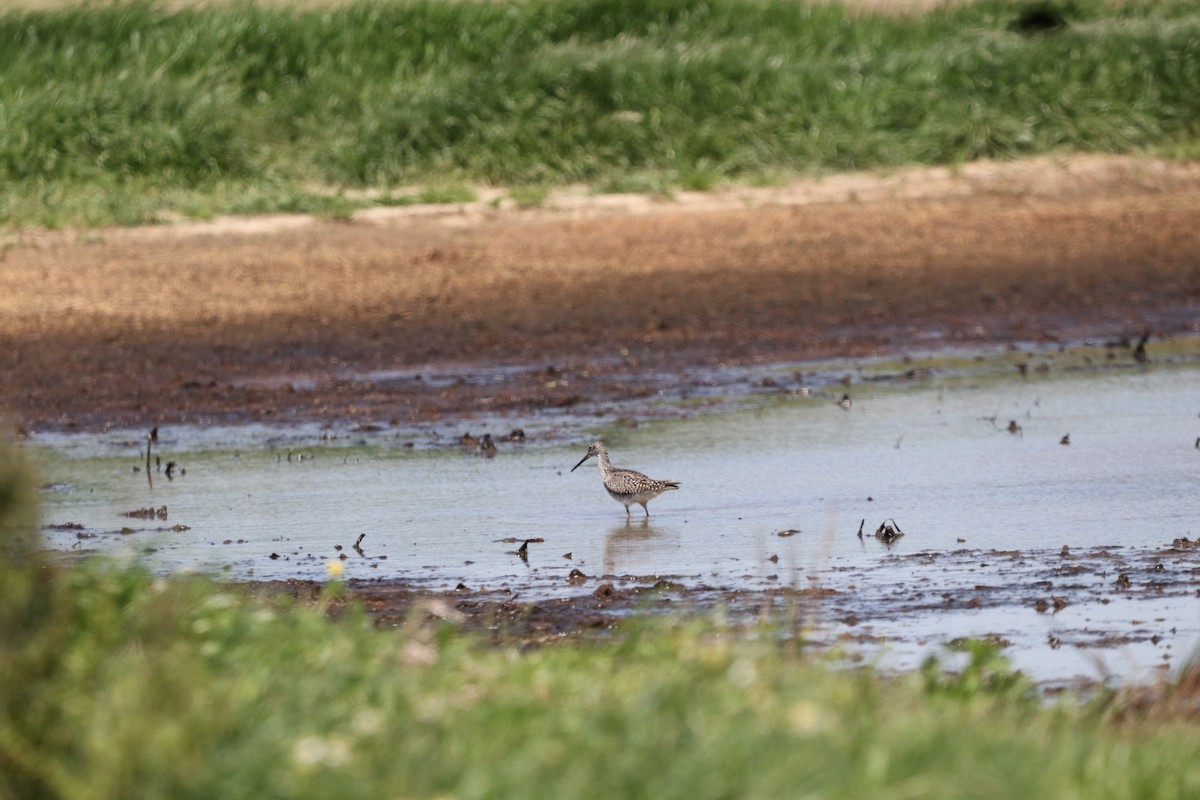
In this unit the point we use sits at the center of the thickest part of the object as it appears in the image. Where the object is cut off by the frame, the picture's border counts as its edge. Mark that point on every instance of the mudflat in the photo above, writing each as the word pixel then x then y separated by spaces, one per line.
pixel 280 318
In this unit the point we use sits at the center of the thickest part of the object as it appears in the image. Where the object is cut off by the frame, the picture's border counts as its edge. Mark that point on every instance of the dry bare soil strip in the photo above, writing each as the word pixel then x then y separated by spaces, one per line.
pixel 197 322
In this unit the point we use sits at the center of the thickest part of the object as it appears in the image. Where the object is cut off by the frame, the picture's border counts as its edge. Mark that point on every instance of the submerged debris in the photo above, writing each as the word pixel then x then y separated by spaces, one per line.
pixel 151 438
pixel 487 448
pixel 523 550
pixel 1012 427
pixel 147 513
pixel 1139 352
pixel 1055 602
pixel 888 533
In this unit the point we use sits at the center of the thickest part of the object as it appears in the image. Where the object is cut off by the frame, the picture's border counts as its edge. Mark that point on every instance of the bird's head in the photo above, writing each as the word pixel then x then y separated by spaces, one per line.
pixel 594 449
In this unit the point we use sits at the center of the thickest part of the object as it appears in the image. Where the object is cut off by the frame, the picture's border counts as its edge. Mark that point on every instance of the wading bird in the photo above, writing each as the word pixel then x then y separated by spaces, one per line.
pixel 624 485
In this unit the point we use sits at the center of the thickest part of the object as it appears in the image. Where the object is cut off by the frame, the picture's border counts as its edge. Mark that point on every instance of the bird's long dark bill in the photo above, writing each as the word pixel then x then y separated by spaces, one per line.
pixel 585 458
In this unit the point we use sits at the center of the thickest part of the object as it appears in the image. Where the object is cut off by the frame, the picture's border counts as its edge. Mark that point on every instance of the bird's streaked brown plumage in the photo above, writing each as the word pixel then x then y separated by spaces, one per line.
pixel 625 485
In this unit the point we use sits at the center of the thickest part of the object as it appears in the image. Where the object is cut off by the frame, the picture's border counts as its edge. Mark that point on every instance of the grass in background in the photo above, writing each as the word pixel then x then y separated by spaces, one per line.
pixel 114 683
pixel 112 113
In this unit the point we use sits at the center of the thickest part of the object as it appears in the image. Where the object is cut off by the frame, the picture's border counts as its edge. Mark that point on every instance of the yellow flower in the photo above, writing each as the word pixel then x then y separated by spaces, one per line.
pixel 335 569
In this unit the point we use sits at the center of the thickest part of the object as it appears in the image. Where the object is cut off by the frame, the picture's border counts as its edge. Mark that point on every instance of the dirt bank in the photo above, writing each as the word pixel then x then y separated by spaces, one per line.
pixel 277 318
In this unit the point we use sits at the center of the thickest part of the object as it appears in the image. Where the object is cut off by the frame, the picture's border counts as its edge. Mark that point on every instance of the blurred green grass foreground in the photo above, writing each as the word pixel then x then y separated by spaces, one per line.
pixel 135 112
pixel 119 684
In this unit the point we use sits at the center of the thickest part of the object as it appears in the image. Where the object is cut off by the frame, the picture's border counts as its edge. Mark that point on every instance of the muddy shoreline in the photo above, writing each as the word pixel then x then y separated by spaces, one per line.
pixel 280 319
pixel 822 616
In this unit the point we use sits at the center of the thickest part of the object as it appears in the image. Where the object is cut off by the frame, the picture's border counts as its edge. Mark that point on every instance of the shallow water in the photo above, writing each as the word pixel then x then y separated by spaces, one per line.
pixel 986 512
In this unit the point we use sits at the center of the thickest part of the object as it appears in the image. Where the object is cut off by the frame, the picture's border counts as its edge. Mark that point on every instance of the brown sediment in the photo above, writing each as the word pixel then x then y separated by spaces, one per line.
pixel 279 318
pixel 817 615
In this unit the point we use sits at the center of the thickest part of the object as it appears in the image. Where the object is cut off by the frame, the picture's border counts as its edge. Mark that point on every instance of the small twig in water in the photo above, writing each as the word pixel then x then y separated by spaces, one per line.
pixel 1139 352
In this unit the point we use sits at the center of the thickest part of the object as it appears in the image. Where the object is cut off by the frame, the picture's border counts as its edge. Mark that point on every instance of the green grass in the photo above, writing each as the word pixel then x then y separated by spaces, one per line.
pixel 529 196
pixel 121 112
pixel 114 683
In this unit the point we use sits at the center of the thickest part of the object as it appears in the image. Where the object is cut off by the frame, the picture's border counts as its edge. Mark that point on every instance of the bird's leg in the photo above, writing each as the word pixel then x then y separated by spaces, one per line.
pixel 627 513
pixel 646 508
